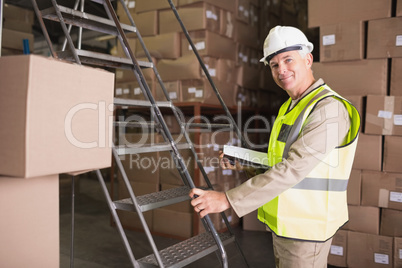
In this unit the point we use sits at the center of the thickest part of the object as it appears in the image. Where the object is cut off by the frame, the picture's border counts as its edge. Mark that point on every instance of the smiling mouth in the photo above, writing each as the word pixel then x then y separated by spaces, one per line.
pixel 284 78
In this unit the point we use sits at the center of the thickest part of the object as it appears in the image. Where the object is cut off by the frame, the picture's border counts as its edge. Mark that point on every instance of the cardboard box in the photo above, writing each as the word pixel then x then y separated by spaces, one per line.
pixel 119 49
pixel 368 152
pixel 14 39
pixel 354 187
pixel 391 222
pixel 396 78
pixel 173 223
pixel 146 22
pixel 162 46
pixel 384 38
pixel 186 67
pixel 209 44
pixel 248 76
pixel 30 222
pixel 392 154
pixel 243 11
pixel 198 16
pixel 145 5
pixel 383 115
pixel 55 116
pixel 341 42
pixel 141 167
pixel 200 90
pixel 346 11
pixel 381 189
pixel 367 250
pixel 363 219
pixel 227 24
pixel 17 25
pixel 399 10
pixel 131 220
pixel 397 250
pixel 247 35
pixel 372 76
pixel 229 5
pixel 173 89
pixel 339 248
pixel 18 13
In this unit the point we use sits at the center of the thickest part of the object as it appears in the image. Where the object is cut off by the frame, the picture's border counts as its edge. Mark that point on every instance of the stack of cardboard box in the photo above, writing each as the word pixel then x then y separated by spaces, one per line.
pixel 17 26
pixel 54 120
pixel 226 35
pixel 360 52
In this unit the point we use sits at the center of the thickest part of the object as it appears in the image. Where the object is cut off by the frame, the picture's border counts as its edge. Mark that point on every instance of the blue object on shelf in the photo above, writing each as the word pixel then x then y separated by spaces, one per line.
pixel 26 46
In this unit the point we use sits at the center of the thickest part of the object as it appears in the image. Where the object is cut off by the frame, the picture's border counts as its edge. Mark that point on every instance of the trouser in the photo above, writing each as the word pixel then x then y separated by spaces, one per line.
pixel 290 253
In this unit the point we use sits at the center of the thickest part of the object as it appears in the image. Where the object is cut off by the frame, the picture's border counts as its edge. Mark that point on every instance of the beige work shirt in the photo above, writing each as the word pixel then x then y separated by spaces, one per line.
pixel 325 128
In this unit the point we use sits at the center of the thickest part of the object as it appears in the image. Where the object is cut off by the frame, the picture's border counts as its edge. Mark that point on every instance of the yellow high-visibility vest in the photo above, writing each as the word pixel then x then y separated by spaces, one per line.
pixel 316 207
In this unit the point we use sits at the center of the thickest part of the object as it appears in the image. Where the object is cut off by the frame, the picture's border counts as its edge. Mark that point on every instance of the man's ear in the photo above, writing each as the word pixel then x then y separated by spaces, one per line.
pixel 309 60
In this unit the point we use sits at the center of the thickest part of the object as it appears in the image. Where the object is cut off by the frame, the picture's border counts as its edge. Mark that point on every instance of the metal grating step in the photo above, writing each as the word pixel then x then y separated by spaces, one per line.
pixel 148 148
pixel 100 59
pixel 135 124
pixel 155 200
pixel 141 103
pixel 85 20
pixel 188 251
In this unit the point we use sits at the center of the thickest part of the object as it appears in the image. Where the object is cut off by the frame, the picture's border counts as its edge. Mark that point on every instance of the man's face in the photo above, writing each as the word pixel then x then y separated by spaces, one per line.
pixel 291 72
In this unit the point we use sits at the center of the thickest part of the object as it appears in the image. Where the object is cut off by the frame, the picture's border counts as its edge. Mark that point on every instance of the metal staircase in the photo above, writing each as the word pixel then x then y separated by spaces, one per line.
pixel 196 247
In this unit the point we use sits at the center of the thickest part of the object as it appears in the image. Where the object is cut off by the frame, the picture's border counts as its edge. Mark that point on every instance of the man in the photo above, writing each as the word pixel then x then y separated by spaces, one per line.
pixel 302 198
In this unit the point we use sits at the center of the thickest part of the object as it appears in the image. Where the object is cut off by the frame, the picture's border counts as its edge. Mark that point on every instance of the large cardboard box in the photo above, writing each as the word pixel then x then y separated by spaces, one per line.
pixel 173 223
pixel 145 5
pixel 248 76
pixel 391 222
pixel 247 35
pixel 354 187
pixel 227 24
pixel 341 42
pixel 392 154
pixel 399 10
pixel 14 39
pixel 173 89
pixel 200 90
pixel 162 46
pixel 186 67
pixel 209 44
pixel 18 13
pixel 368 152
pixel 198 16
pixel 384 38
pixel 398 249
pixel 368 250
pixel 326 12
pixel 339 248
pixel 372 76
pixel 55 116
pixel 381 189
pixel 29 222
pixel 396 78
pixel 229 5
pixel 243 11
pixel 146 22
pixel 383 115
pixel 363 219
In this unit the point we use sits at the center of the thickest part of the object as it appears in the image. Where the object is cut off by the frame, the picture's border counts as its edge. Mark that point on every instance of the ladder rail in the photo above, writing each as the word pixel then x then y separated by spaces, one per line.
pixel 207 74
pixel 65 30
pixel 140 79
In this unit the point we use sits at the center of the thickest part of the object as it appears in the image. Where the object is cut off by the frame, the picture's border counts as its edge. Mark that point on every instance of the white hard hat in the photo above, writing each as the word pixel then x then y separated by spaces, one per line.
pixel 284 38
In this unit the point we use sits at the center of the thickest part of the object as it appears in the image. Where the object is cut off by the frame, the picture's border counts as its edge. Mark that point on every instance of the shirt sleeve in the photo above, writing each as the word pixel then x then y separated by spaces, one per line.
pixel 325 128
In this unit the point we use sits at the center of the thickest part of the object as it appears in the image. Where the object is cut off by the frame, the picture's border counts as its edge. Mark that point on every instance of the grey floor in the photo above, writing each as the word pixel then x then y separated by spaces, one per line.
pixel 97 243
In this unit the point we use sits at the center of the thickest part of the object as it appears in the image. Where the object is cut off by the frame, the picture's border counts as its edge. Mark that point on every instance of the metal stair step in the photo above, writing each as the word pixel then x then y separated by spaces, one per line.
pixel 135 124
pixel 141 103
pixel 186 252
pixel 155 200
pixel 149 148
pixel 85 20
pixel 100 59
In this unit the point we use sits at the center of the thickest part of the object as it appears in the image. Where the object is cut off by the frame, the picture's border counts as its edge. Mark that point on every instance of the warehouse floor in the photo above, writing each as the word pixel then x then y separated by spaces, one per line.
pixel 98 245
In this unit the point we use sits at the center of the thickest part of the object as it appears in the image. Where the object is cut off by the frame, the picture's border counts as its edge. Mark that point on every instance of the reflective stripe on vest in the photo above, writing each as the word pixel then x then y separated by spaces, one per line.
pixel 316 207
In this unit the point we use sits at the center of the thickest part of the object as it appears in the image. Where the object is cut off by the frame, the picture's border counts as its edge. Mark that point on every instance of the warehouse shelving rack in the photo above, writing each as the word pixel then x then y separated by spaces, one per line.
pixel 196 247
